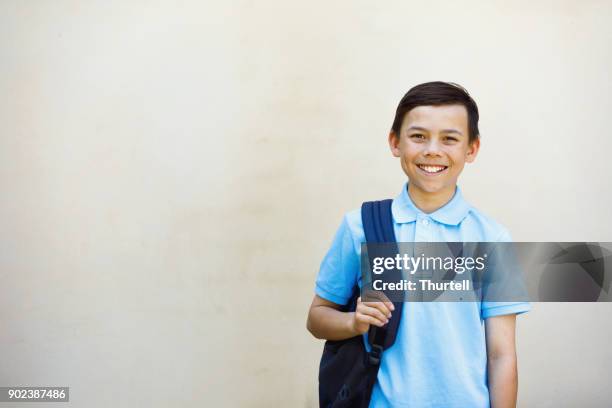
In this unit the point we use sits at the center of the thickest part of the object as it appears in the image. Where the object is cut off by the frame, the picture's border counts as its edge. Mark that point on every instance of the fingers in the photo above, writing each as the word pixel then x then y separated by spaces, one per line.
pixel 377 313
pixel 375 296
pixel 369 320
pixel 385 307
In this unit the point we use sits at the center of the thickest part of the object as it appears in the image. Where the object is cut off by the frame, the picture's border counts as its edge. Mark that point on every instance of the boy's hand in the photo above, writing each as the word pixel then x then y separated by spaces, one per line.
pixel 367 313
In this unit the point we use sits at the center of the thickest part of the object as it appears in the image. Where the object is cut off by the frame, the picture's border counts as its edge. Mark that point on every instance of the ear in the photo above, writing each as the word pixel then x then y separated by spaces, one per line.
pixel 472 151
pixel 394 143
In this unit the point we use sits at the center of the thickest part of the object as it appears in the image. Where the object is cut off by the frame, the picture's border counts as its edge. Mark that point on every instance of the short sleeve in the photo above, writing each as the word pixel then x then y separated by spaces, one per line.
pixel 339 269
pixel 491 309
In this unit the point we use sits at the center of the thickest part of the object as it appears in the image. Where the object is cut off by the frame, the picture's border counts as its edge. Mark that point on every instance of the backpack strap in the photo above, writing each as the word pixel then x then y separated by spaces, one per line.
pixel 378 228
pixel 378 221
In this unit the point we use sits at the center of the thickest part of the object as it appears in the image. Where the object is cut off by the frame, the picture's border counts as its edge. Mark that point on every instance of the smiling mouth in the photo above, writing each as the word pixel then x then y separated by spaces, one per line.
pixel 432 169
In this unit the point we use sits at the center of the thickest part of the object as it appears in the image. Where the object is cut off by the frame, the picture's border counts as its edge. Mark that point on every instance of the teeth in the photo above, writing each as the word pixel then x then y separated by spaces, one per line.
pixel 432 169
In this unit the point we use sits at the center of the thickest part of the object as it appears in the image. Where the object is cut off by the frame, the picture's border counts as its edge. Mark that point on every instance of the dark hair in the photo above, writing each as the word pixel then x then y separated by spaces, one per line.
pixel 435 94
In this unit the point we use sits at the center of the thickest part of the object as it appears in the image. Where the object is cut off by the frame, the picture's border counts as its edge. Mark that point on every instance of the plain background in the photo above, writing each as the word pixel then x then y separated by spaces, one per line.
pixel 173 172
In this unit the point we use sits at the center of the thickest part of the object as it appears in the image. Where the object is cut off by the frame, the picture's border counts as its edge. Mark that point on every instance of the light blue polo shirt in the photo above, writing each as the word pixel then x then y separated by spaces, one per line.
pixel 439 358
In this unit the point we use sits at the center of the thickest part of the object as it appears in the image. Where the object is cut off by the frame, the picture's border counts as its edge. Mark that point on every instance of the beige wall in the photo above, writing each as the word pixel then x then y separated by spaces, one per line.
pixel 173 172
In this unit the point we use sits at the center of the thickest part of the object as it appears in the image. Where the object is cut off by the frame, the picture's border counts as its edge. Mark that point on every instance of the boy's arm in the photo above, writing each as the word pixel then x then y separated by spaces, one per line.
pixel 325 321
pixel 501 360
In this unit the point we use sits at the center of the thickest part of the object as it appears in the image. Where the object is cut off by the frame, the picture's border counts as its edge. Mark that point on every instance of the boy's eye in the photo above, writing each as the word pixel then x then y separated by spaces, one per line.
pixel 451 139
pixel 417 136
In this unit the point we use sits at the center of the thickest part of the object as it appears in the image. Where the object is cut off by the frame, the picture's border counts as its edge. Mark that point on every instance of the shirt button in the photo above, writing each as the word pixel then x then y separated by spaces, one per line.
pixel 425 221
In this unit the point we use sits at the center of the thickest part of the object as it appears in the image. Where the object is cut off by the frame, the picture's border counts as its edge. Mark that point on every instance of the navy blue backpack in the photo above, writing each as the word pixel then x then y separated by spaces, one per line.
pixel 347 372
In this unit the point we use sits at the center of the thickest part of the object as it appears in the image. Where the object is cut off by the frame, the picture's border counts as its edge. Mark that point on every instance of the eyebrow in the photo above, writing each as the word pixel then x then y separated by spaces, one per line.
pixel 422 129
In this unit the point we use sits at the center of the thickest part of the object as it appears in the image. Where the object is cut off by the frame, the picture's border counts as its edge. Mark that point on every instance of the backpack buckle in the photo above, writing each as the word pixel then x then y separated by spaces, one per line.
pixel 375 354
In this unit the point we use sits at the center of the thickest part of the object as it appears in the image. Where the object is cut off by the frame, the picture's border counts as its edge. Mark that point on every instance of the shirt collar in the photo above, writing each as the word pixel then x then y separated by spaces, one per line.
pixel 452 213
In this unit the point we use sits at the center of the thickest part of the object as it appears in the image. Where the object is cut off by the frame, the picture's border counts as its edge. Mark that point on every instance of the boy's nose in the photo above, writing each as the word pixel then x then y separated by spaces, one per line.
pixel 432 148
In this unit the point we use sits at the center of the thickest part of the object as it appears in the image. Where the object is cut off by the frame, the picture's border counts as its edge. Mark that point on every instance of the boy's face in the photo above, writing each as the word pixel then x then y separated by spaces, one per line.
pixel 433 147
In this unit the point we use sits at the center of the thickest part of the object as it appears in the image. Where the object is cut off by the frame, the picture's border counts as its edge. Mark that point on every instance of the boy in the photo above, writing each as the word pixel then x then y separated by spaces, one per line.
pixel 446 354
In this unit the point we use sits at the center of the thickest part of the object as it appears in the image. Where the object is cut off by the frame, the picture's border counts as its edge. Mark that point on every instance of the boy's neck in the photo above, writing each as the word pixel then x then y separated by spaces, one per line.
pixel 430 202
